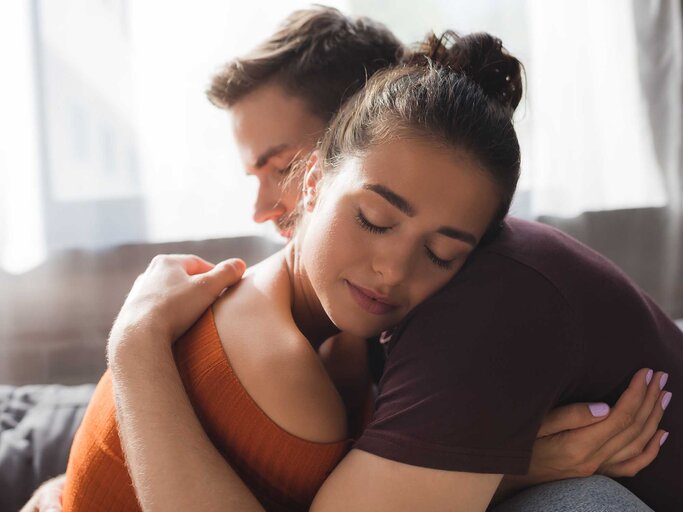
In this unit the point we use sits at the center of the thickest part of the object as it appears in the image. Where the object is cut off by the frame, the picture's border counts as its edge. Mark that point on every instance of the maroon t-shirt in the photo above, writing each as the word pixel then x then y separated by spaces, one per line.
pixel 533 320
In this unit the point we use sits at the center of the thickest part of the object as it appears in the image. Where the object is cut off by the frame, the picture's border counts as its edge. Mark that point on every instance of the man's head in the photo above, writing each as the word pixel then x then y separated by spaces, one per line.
pixel 284 92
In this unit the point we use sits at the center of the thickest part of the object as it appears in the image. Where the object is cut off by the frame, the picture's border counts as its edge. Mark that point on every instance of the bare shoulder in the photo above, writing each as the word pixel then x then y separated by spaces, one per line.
pixel 272 359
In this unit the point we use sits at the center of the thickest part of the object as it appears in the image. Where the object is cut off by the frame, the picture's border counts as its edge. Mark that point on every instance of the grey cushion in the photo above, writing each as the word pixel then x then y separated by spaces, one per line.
pixel 37 426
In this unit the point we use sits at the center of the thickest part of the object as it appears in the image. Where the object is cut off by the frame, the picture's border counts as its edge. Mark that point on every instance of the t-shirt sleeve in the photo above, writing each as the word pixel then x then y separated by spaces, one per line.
pixel 473 370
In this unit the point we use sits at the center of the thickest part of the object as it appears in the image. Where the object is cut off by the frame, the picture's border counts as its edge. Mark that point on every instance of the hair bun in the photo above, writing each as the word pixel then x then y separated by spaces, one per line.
pixel 479 56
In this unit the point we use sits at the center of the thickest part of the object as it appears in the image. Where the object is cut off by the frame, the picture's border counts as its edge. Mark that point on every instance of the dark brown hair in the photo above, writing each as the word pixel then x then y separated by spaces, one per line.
pixel 457 91
pixel 317 54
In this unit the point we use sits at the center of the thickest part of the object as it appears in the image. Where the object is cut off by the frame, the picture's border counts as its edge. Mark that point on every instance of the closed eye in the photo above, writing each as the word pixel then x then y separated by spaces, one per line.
pixel 441 263
pixel 369 226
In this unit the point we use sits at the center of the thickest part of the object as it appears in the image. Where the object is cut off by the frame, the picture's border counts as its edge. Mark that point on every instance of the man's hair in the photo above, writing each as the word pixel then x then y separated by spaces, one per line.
pixel 317 54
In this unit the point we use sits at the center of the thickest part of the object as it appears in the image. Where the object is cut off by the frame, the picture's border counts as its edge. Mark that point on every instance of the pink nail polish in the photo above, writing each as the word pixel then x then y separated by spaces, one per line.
pixel 662 380
pixel 648 377
pixel 599 409
pixel 663 439
pixel 666 399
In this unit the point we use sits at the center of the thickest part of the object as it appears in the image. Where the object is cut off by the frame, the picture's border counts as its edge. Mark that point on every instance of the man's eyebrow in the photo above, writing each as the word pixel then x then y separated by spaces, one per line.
pixel 268 154
pixel 392 197
pixel 403 205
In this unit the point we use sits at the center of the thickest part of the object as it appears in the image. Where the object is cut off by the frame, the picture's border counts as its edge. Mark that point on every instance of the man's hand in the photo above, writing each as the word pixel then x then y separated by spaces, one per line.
pixel 583 439
pixel 170 296
pixel 48 497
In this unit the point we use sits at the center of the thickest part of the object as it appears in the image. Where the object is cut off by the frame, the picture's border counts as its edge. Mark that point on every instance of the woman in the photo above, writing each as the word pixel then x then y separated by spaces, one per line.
pixel 368 179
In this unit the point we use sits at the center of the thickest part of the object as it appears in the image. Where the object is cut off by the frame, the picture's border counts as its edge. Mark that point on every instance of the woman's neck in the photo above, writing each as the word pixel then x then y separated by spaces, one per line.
pixel 308 313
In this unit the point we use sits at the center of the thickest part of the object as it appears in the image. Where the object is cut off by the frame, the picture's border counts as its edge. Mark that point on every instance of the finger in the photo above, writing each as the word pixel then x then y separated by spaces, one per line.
pixel 623 414
pixel 649 429
pixel 191 263
pixel 631 467
pixel 573 416
pixel 632 424
pixel 225 274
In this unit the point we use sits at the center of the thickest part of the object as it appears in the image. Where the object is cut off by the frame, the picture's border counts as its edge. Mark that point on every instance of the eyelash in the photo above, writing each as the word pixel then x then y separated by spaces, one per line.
pixel 446 265
pixel 366 224
pixel 369 226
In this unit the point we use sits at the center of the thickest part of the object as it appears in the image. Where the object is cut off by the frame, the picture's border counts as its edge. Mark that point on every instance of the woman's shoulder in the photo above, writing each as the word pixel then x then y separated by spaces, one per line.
pixel 274 362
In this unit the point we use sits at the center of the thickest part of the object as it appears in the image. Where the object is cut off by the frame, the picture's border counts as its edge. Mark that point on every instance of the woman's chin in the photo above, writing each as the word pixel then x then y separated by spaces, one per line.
pixel 348 324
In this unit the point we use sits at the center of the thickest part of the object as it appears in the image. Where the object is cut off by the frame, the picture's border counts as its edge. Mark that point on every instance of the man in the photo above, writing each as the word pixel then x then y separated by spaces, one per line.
pixel 281 97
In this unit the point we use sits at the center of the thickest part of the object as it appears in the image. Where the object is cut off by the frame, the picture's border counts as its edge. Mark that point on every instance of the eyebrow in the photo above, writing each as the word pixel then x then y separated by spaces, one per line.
pixel 268 154
pixel 399 202
pixel 392 197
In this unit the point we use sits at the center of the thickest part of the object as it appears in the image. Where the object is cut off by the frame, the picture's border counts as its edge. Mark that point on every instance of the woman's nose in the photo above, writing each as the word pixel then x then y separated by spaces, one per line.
pixel 393 266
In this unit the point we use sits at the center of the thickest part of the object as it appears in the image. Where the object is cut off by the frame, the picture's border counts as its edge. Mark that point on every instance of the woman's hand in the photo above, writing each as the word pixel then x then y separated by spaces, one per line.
pixel 169 296
pixel 584 439
pixel 48 497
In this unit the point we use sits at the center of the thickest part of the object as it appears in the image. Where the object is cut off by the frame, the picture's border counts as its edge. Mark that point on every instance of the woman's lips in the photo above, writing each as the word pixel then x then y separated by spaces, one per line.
pixel 369 303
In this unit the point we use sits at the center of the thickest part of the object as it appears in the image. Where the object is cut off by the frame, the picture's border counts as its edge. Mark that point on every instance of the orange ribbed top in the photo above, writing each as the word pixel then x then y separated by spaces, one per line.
pixel 282 470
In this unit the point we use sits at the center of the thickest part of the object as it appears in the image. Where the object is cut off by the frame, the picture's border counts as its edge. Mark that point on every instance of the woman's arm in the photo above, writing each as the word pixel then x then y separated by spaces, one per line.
pixel 580 440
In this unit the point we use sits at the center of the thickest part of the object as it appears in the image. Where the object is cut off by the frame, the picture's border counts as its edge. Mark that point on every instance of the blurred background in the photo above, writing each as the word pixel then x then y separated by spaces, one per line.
pixel 110 151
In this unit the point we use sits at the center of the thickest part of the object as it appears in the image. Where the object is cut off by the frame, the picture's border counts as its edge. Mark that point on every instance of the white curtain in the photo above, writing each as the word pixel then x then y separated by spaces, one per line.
pixel 621 131
pixel 106 134
pixel 592 145
pixel 659 28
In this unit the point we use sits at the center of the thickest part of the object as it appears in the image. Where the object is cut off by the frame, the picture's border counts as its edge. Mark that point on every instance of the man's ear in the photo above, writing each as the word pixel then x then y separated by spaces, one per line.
pixel 312 180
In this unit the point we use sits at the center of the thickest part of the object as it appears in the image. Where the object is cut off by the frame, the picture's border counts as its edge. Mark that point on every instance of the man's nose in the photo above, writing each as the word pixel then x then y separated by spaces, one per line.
pixel 267 207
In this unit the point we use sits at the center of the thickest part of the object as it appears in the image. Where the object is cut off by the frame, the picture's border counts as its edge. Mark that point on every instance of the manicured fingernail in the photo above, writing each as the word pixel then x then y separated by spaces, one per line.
pixel 598 410
pixel 648 377
pixel 662 380
pixel 666 399
pixel 663 439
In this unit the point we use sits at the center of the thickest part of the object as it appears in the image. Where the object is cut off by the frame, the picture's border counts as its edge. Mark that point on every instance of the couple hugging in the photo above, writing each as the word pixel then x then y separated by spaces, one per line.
pixel 391 170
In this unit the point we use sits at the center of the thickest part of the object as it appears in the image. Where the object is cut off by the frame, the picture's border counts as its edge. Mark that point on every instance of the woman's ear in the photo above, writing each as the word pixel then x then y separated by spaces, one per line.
pixel 312 180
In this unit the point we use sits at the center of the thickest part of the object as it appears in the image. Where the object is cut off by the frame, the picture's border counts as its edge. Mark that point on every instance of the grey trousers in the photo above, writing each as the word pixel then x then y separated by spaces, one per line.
pixel 594 494
pixel 37 426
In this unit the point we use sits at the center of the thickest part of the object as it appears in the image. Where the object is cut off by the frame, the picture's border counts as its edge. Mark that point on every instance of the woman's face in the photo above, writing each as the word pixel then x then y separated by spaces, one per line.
pixel 391 228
